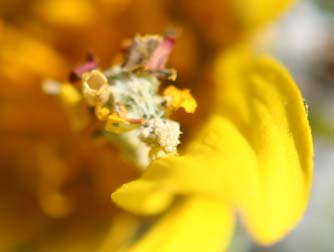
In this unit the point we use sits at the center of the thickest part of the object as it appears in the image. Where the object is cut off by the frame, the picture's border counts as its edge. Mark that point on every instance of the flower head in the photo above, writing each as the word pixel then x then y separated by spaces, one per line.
pixel 252 155
pixel 247 149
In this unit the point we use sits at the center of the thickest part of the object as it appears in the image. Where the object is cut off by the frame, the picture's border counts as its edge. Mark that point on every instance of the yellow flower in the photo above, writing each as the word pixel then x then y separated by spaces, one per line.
pixel 62 180
pixel 253 155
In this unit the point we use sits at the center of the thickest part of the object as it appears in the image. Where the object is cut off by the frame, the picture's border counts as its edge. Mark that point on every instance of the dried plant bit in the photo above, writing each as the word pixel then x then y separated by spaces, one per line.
pixel 149 52
pixel 95 87
pixel 140 51
pixel 136 121
pixel 177 98
pixel 165 74
pixel 160 55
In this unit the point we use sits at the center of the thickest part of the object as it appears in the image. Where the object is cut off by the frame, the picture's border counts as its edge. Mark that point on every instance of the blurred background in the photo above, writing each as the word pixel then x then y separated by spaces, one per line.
pixel 55 183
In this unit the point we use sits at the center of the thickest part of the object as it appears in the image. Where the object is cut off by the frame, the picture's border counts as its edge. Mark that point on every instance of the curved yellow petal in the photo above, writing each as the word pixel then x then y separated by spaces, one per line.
pixel 142 197
pixel 218 163
pixel 196 225
pixel 261 99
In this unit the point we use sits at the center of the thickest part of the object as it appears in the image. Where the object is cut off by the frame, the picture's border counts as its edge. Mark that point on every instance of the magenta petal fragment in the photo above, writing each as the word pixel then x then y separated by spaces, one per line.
pixel 89 65
pixel 161 54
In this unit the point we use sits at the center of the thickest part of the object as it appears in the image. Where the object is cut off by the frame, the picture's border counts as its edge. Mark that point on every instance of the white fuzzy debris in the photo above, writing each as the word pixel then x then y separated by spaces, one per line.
pixel 139 94
pixel 162 134
pixel 136 96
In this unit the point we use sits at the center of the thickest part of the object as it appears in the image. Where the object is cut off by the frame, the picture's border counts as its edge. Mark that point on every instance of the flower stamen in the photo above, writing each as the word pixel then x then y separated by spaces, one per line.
pixel 126 99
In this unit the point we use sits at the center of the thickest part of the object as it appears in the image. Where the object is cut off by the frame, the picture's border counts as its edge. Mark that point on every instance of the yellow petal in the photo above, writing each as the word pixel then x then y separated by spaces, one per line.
pixel 142 197
pixel 261 99
pixel 196 225
pixel 219 163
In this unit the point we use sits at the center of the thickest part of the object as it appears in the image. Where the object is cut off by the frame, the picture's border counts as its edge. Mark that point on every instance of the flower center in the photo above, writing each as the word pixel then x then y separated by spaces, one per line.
pixel 127 99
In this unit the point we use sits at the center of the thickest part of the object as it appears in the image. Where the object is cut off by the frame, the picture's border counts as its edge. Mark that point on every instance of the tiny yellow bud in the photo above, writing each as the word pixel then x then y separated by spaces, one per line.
pixel 102 113
pixel 178 98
